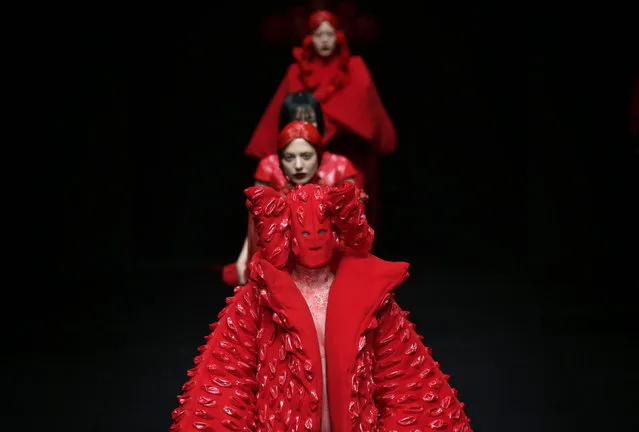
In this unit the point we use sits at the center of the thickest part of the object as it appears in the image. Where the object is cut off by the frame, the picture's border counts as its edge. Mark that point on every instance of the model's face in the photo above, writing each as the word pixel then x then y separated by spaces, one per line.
pixel 307 114
pixel 324 39
pixel 299 161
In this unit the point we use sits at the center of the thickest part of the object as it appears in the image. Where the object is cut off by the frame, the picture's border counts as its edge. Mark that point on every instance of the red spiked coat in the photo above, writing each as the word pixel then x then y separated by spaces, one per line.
pixel 260 369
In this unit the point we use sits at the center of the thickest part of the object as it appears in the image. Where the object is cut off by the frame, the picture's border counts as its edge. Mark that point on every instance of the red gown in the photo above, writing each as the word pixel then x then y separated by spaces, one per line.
pixel 357 124
pixel 333 170
pixel 260 369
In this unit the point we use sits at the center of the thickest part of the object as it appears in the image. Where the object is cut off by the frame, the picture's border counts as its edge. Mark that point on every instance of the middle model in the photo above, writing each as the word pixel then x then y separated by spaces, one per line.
pixel 300 159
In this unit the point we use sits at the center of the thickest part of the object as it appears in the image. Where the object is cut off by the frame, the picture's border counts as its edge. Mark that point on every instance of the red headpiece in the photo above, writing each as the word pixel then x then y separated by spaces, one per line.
pixel 299 129
pixel 317 18
pixel 311 221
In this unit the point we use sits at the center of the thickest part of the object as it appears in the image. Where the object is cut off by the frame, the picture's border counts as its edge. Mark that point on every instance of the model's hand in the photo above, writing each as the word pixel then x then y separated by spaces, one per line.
pixel 240 265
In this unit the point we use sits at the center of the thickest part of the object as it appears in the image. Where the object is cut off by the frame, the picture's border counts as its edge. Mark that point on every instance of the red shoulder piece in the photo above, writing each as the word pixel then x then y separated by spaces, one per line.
pixel 336 168
pixel 266 168
pixel 358 108
pixel 229 275
pixel 269 171
pixel 220 394
pixel 346 170
pixel 346 208
pixel 264 140
pixel 413 393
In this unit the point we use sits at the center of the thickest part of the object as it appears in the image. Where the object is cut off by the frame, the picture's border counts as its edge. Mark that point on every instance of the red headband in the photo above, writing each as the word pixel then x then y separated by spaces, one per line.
pixel 299 129
pixel 317 18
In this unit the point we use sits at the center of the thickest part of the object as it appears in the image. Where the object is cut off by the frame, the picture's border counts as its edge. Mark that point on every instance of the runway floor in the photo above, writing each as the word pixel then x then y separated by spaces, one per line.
pixel 116 363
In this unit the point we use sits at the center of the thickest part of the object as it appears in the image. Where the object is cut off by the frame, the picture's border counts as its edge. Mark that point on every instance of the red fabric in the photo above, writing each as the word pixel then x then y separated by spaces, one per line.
pixel 356 108
pixel 320 75
pixel 333 170
pixel 299 129
pixel 357 150
pixel 271 213
pixel 351 104
pixel 260 368
pixel 313 238
pixel 357 124
pixel 345 204
pixel 318 17
pixel 229 274
pixel 323 76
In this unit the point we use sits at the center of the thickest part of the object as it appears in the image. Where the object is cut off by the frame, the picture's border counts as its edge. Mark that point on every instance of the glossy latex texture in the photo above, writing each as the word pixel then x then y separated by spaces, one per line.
pixel 313 238
pixel 333 169
pixel 347 210
pixel 335 216
pixel 260 369
pixel 271 215
pixel 299 129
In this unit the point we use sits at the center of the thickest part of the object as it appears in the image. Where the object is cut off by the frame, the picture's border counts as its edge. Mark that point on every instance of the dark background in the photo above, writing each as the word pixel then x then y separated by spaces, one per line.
pixel 512 194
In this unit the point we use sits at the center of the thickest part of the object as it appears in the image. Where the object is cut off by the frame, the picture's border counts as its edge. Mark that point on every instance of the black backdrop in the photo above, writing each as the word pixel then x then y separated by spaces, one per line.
pixel 514 160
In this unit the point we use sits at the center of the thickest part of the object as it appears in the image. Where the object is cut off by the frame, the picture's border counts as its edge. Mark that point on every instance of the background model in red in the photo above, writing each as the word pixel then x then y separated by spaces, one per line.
pixel 300 159
pixel 357 124
pixel 315 340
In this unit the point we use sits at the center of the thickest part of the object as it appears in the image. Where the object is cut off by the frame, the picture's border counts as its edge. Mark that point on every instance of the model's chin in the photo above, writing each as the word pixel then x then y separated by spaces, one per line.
pixel 325 53
pixel 315 263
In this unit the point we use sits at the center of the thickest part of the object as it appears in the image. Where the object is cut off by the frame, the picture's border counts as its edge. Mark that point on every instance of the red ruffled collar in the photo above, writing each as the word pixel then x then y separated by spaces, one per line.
pixel 309 64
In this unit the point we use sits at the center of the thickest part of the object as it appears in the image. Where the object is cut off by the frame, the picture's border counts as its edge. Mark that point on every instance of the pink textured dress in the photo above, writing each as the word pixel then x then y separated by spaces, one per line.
pixel 315 284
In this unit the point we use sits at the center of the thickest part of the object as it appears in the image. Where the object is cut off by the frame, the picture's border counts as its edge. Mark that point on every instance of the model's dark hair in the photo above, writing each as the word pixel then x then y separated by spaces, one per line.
pixel 301 100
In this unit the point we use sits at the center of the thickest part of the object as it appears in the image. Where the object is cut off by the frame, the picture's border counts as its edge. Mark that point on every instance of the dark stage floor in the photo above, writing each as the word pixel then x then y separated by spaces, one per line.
pixel 118 364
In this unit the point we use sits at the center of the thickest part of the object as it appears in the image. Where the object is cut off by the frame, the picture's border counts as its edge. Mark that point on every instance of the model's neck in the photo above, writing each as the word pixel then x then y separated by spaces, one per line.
pixel 311 277
pixel 325 60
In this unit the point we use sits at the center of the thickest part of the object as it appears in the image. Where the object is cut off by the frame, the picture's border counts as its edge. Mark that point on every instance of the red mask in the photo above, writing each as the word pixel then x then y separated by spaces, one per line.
pixel 314 239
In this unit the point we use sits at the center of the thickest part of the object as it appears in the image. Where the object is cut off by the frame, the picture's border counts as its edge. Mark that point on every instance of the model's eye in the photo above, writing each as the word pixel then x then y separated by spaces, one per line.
pixel 322 231
pixel 305 233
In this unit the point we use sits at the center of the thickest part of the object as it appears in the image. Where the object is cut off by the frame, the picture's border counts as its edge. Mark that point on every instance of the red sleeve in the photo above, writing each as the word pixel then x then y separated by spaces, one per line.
pixel 408 377
pixel 264 139
pixel 386 137
pixel 252 242
pixel 265 169
pixel 220 394
pixel 349 170
pixel 357 107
